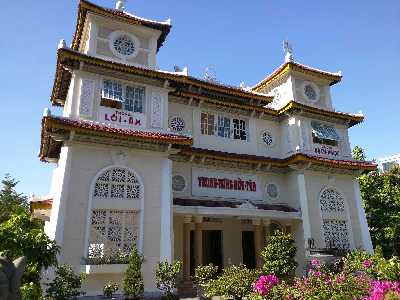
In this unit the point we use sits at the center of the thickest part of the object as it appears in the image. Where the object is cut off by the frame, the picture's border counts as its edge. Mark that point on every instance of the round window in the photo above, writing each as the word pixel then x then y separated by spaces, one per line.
pixel 124 45
pixel 177 124
pixel 267 138
pixel 272 191
pixel 311 91
pixel 178 183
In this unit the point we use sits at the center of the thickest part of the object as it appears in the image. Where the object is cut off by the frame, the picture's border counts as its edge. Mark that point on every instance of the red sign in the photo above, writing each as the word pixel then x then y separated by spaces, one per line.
pixel 227 184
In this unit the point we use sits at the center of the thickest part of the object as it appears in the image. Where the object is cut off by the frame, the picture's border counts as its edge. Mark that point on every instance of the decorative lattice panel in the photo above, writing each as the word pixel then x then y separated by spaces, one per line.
pixel 336 234
pixel 113 232
pixel 117 183
pixel 332 201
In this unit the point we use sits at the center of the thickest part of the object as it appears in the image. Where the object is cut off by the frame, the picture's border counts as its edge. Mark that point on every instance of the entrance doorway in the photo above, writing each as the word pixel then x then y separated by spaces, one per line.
pixel 249 252
pixel 212 248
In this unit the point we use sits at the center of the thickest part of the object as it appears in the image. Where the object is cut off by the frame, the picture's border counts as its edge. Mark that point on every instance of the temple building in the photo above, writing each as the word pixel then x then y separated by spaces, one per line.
pixel 185 168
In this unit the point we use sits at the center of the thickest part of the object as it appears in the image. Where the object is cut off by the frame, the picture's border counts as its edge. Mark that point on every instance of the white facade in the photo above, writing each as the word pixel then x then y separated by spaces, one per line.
pixel 122 177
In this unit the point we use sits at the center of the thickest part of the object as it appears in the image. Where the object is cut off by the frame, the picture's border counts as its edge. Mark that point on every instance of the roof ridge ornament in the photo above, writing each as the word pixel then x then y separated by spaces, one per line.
pixel 288 49
pixel 120 5
pixel 62 44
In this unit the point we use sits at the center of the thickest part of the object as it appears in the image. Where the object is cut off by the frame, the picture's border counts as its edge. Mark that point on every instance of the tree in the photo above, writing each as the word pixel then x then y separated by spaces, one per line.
pixel 167 277
pixel 133 280
pixel 279 255
pixel 11 201
pixel 66 284
pixel 358 153
pixel 21 235
pixel 381 197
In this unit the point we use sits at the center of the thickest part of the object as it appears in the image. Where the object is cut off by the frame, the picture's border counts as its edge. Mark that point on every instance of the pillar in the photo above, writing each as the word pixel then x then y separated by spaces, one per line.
pixel 365 235
pixel 186 247
pixel 258 241
pixel 198 235
pixel 301 182
pixel 166 211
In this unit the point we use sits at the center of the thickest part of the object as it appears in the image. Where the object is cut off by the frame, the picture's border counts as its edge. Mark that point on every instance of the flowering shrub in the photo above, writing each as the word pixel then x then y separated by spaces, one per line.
pixel 354 282
pixel 387 290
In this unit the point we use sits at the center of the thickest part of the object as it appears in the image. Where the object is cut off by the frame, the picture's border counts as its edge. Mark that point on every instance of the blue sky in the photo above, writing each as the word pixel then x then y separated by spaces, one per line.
pixel 240 40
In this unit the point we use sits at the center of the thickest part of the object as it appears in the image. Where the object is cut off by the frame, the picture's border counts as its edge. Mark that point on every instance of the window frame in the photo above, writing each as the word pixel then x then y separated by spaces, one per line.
pixel 220 129
pixel 122 103
pixel 323 141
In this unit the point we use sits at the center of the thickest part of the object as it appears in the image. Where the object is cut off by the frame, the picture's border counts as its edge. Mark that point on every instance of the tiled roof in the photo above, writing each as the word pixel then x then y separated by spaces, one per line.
pixel 285 67
pixel 279 162
pixel 51 123
pixel 86 6
pixel 68 57
pixel 229 204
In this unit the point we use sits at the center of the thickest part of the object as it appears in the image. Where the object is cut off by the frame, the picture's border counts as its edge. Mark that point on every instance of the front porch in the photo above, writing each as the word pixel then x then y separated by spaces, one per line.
pixel 225 235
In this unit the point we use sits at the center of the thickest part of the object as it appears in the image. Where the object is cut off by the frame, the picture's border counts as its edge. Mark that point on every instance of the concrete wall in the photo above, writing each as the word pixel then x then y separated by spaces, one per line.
pixel 83 163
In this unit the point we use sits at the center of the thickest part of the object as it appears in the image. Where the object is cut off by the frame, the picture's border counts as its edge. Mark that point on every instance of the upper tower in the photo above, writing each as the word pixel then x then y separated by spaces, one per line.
pixel 293 81
pixel 116 35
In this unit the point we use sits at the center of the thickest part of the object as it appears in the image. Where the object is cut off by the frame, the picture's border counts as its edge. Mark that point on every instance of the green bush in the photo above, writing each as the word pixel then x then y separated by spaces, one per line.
pixel 30 291
pixel 279 255
pixel 133 280
pixel 167 277
pixel 109 289
pixel 66 284
pixel 235 282
pixel 375 265
pixel 203 274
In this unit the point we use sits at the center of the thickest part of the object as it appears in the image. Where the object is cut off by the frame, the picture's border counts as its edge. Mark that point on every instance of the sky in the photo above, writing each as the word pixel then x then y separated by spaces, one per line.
pixel 239 40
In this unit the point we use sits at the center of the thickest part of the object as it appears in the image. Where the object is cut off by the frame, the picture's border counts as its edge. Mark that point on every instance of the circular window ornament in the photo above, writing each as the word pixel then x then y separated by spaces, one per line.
pixel 267 138
pixel 177 124
pixel 124 45
pixel 178 183
pixel 272 191
pixel 311 91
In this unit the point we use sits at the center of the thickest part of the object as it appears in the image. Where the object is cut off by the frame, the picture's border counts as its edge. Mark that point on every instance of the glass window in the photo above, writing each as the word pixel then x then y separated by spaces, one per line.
pixel 224 127
pixel 239 129
pixel 112 90
pixel 134 99
pixel 207 123
pixel 324 134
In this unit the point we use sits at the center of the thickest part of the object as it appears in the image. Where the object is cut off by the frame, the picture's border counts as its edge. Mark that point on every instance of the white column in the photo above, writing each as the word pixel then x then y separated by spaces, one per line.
pixel 301 182
pixel 362 219
pixel 60 189
pixel 166 212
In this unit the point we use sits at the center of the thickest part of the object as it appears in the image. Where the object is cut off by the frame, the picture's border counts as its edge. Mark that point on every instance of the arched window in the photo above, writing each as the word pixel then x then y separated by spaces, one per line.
pixel 114 231
pixel 334 219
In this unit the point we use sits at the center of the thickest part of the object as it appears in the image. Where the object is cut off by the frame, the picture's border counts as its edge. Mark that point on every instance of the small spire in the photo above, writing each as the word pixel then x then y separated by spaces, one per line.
pixel 120 5
pixel 62 44
pixel 46 112
pixel 288 49
pixel 168 21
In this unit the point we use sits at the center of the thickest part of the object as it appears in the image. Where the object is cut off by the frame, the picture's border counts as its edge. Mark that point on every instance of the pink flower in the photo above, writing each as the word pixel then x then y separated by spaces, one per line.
pixel 367 263
pixel 265 283
pixel 315 263
pixel 381 288
pixel 341 278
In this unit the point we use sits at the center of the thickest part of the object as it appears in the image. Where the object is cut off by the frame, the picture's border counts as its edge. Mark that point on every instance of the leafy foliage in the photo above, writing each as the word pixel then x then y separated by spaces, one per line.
pixel 31 291
pixel 11 202
pixel 66 284
pixel 109 289
pixel 167 277
pixel 279 254
pixel 235 281
pixel 358 153
pixel 203 274
pixel 381 196
pixel 23 236
pixel 133 280
pixel 375 265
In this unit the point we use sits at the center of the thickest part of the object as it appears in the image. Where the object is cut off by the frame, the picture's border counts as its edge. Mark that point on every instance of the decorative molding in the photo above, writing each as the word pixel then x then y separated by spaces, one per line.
pixel 156 110
pixel 86 97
